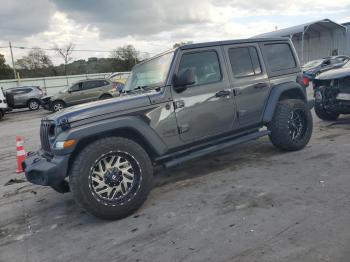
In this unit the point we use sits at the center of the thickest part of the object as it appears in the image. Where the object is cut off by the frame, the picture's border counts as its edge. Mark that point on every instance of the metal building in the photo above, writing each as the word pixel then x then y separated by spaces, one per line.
pixel 317 39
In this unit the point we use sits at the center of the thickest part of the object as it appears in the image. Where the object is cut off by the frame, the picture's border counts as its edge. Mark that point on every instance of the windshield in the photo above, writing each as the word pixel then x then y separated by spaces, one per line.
pixel 150 73
pixel 65 90
pixel 347 64
pixel 313 63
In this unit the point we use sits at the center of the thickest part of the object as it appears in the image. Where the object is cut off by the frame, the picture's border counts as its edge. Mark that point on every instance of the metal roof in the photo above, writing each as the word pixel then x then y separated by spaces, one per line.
pixel 312 27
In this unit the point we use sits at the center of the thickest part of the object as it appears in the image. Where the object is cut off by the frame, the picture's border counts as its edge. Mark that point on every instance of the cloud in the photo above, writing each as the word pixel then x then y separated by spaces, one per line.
pixel 22 18
pixel 152 25
pixel 133 17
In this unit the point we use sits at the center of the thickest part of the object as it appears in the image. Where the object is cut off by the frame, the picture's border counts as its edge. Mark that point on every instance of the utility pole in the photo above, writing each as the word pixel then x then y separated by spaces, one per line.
pixel 13 61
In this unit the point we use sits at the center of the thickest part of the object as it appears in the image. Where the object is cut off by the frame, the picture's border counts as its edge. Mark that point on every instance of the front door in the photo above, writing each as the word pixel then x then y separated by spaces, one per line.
pixel 74 94
pixel 205 108
pixel 249 80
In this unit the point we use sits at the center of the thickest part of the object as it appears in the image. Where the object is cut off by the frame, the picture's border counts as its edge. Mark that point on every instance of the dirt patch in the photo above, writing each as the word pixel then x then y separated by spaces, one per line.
pixel 240 200
pixel 321 156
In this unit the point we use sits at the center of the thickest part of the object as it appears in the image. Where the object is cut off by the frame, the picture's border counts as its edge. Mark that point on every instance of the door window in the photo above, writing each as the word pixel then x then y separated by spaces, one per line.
pixel 244 61
pixel 205 64
pixel 76 87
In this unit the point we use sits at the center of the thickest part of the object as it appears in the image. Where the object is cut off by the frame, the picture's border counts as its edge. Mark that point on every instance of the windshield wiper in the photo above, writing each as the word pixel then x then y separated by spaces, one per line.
pixel 139 88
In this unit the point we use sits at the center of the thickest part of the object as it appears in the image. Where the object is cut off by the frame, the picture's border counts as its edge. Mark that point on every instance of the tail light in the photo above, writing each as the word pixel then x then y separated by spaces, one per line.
pixel 41 92
pixel 306 81
pixel 303 80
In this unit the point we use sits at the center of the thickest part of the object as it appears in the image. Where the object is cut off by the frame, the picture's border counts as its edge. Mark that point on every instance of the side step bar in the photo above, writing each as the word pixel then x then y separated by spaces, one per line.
pixel 213 148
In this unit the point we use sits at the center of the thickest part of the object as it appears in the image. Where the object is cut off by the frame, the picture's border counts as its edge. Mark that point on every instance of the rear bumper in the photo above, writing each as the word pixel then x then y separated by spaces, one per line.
pixel 47 172
pixel 311 103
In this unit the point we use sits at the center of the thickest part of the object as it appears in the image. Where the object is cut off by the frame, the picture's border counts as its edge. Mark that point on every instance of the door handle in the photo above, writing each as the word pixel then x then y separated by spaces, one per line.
pixel 260 85
pixel 222 93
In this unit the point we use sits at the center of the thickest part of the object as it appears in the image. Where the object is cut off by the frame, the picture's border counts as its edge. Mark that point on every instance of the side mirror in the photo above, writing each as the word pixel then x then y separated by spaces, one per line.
pixel 184 79
pixel 69 91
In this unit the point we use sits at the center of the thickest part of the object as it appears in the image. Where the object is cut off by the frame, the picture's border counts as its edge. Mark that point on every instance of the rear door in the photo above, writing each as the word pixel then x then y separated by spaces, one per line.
pixel 92 90
pixel 249 80
pixel 205 108
pixel 20 96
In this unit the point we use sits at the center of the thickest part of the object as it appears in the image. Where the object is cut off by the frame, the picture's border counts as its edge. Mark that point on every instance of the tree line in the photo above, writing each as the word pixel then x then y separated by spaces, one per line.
pixel 38 64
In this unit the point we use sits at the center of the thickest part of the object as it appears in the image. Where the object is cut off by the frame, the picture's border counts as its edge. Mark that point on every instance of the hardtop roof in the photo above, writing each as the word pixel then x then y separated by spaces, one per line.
pixel 231 42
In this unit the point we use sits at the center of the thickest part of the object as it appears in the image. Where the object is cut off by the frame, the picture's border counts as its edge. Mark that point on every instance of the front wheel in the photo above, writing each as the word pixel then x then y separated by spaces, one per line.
pixel 291 126
pixel 58 106
pixel 111 177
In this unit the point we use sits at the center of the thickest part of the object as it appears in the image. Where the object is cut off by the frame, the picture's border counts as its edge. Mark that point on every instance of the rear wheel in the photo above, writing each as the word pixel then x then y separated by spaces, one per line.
pixel 58 106
pixel 105 96
pixel 111 177
pixel 33 104
pixel 324 114
pixel 291 126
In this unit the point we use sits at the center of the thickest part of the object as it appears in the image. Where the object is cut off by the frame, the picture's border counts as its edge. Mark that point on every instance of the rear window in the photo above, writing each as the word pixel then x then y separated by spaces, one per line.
pixel 280 57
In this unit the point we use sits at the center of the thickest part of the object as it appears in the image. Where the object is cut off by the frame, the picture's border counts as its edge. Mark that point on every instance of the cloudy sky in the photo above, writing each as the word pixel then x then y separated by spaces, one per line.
pixel 151 26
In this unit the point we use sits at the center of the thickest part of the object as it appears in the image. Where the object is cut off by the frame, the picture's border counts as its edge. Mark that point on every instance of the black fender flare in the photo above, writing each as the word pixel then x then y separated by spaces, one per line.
pixel 135 124
pixel 275 95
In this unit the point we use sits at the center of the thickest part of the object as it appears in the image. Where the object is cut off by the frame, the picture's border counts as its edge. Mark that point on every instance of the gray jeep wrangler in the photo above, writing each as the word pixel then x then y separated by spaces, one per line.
pixel 179 105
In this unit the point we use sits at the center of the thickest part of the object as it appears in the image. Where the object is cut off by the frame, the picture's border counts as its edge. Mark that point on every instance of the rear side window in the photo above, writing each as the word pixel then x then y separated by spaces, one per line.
pixel 244 61
pixel 91 84
pixel 280 57
pixel 205 64
pixel 20 91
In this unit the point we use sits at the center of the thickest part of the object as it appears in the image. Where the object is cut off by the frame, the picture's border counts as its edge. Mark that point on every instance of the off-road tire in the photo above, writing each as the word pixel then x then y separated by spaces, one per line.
pixel 33 104
pixel 324 114
pixel 280 128
pixel 80 185
pixel 57 104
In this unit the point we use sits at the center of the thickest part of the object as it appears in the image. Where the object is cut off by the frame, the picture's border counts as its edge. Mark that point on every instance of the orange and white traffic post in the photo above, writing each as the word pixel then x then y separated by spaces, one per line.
pixel 21 154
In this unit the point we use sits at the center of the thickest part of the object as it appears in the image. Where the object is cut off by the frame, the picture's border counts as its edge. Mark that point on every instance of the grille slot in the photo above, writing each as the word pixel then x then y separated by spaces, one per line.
pixel 45 128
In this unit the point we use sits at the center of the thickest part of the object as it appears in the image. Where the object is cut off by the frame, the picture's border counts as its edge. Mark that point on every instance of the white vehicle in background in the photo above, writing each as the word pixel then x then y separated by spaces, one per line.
pixel 3 104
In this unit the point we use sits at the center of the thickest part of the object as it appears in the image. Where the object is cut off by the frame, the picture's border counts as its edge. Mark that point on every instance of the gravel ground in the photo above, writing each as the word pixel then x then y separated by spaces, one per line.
pixel 248 203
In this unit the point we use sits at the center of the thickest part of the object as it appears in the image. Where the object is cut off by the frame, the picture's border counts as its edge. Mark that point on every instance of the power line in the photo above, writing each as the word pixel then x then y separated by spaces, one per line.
pixel 74 50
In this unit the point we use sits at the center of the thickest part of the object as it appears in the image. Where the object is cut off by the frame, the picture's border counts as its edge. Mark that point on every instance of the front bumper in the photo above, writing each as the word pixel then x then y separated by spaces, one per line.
pixel 44 171
pixel 46 105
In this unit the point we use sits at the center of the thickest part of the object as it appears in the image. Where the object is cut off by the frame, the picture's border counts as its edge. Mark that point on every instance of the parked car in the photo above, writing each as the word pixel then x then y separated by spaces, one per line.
pixel 182 104
pixel 315 67
pixel 25 96
pixel 79 93
pixel 332 93
pixel 3 104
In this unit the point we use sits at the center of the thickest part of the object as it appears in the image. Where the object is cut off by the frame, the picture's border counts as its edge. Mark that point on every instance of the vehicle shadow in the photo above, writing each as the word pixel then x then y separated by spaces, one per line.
pixel 254 153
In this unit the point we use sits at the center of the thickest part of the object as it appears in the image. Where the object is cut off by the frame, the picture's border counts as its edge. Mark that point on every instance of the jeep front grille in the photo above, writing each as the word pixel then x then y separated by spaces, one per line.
pixel 46 130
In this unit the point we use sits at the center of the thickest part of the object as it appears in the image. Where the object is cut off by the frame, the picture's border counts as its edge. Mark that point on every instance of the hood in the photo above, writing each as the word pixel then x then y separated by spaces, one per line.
pixel 309 68
pixel 98 108
pixel 334 74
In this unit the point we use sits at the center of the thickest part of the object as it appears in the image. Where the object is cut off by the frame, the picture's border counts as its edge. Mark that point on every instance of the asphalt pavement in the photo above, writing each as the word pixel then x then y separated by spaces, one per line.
pixel 249 203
